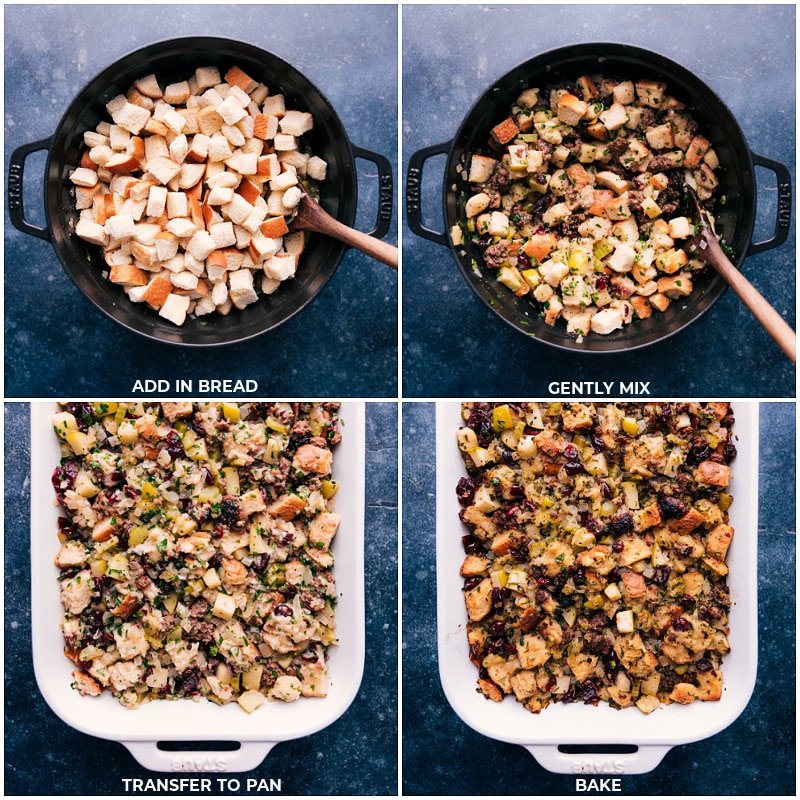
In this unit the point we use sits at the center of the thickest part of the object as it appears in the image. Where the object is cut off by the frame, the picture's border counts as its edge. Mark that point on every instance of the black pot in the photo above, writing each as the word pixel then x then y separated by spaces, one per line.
pixel 176 60
pixel 734 220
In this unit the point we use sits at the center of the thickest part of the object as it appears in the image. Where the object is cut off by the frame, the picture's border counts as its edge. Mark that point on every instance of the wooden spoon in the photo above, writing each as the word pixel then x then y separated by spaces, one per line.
pixel 312 217
pixel 705 245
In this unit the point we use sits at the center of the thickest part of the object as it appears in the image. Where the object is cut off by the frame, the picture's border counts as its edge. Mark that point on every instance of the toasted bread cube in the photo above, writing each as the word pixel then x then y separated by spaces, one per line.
pixel 505 131
pixel 176 94
pixel 274 227
pixel 274 105
pixel 675 286
pixel 265 127
pixel 624 93
pixel 237 77
pixel 268 166
pixel 713 474
pixel 606 321
pixel 481 168
pixel 614 117
pixel 157 292
pixel 696 151
pixel 641 306
pixel 651 93
pixel 149 86
pixel 296 123
pixel 281 266
pixel 571 109
pixel 91 232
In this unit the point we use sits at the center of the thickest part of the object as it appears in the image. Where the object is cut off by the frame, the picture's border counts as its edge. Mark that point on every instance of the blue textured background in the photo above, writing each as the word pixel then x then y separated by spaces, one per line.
pixel 343 344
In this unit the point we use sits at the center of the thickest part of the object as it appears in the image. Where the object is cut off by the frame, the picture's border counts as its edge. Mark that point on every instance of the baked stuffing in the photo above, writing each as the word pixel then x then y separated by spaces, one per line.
pixel 576 204
pixel 195 556
pixel 596 537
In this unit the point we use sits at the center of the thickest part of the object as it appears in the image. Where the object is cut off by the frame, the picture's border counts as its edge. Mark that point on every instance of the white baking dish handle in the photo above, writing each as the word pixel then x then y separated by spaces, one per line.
pixel 645 759
pixel 246 758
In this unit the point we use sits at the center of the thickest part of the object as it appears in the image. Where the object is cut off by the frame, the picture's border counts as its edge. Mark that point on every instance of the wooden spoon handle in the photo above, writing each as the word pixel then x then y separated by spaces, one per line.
pixel 376 248
pixel 772 322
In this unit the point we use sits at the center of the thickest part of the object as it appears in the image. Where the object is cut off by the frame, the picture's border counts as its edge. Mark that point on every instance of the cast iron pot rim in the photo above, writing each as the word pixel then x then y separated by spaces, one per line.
pixel 108 308
pixel 717 285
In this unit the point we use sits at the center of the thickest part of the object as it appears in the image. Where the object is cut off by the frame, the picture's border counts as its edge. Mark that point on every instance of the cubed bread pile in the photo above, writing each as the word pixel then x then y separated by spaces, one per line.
pixel 189 189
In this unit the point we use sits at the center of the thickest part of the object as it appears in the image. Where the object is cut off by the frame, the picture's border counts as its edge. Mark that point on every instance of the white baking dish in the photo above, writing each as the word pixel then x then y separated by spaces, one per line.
pixel 185 720
pixel 578 724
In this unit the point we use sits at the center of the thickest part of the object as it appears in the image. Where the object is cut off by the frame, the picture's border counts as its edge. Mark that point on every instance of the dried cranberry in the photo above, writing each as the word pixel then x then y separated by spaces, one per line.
pixel 601 282
pixel 465 491
pixel 479 422
pixel 589 692
pixel 190 681
pixel 497 628
pixel 230 509
pixel 520 552
pixel 197 426
pixel 82 413
pixel 260 563
pixel 618 546
pixel 607 491
pixel 688 602
pixel 282 610
pixel 543 580
pixel 471 543
pixel 471 583
pixel 551 684
pixel 704 665
pixel 681 624
pixel 571 452
pixel 573 467
pixel 662 574
pixel 174 446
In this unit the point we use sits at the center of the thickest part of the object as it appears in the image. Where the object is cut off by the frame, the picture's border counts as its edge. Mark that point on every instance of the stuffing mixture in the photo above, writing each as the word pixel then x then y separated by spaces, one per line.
pixel 595 539
pixel 195 554
pixel 577 203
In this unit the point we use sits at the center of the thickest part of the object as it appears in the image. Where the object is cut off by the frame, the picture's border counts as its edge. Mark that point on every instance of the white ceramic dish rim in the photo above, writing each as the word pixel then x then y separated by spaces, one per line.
pixel 185 720
pixel 578 724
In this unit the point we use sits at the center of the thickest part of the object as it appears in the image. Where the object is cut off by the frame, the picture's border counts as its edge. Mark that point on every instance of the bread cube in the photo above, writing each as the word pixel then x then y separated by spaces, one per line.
pixel 614 117
pixel 606 321
pixel 622 259
pixel 296 123
pixel 316 168
pixel 681 228
pixel 624 93
pixel 571 109
pixel 280 267
pixel 675 286
pixel 651 93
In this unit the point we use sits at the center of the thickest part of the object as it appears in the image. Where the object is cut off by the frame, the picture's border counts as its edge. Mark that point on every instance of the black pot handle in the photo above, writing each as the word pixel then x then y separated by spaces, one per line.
pixel 784 217
pixel 16 210
pixel 386 190
pixel 414 191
